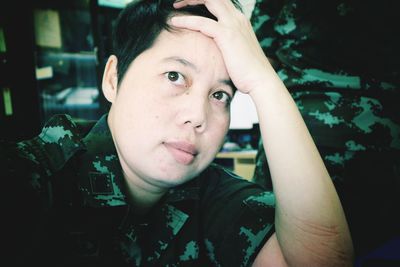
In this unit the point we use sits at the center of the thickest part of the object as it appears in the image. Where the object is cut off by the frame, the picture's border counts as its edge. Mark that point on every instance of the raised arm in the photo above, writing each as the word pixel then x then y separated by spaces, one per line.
pixel 311 228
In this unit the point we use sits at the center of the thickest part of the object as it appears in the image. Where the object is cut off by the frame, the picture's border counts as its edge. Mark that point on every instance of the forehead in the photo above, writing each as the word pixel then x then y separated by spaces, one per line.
pixel 183 37
pixel 195 47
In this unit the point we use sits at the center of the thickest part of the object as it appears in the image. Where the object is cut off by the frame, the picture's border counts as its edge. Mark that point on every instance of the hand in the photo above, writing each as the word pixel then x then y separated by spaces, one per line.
pixel 244 58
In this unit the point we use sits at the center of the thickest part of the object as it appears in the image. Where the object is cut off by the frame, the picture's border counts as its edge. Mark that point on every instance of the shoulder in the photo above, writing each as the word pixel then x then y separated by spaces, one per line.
pixel 63 130
pixel 235 196
pixel 59 139
pixel 238 216
pixel 218 180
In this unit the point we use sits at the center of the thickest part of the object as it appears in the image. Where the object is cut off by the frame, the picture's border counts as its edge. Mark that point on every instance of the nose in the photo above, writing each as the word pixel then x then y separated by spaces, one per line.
pixel 194 112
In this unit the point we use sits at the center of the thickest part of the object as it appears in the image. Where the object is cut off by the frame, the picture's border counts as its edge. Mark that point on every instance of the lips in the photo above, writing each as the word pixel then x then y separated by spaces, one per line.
pixel 183 152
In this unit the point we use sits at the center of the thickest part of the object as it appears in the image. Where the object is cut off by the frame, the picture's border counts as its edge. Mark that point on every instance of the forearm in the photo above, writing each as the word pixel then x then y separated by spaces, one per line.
pixel 309 218
pixel 309 213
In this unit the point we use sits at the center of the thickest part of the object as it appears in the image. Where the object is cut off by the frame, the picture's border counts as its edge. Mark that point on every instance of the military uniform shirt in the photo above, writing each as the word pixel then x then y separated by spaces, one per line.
pixel 74 201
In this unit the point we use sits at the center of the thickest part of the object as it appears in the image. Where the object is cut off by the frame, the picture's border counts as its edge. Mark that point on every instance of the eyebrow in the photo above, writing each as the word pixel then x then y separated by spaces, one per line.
pixel 182 61
pixel 187 63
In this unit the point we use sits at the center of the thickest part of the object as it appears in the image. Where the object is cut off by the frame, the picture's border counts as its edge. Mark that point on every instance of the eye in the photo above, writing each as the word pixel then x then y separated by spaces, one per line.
pixel 176 78
pixel 222 96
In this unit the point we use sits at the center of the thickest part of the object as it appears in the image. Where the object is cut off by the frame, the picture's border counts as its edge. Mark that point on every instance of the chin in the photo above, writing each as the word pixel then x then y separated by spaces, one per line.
pixel 173 179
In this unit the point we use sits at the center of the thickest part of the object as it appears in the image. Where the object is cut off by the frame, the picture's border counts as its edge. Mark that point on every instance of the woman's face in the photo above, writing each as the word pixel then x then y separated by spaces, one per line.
pixel 171 112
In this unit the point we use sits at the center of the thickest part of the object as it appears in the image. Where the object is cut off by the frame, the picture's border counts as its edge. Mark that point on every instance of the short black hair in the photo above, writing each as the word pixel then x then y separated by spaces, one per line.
pixel 139 24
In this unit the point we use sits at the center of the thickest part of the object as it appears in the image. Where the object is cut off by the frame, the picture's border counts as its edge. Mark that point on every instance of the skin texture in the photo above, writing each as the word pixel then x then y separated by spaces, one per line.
pixel 311 228
pixel 175 92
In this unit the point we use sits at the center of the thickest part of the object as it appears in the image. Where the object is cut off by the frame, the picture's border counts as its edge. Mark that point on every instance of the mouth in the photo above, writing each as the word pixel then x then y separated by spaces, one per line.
pixel 183 152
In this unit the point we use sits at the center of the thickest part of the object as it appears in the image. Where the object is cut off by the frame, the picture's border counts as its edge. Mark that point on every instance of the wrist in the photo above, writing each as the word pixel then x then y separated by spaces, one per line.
pixel 266 87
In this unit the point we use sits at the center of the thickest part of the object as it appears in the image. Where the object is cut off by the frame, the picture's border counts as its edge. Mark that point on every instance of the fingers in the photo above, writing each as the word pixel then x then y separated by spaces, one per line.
pixel 182 3
pixel 204 25
pixel 219 8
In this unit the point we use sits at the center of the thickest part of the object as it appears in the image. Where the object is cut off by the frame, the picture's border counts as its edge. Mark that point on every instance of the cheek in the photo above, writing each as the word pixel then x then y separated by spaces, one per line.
pixel 222 118
pixel 143 108
pixel 218 128
pixel 133 121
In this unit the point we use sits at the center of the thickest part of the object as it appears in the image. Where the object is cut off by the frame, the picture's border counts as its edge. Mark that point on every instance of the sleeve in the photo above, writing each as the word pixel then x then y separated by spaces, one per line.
pixel 26 170
pixel 21 175
pixel 22 202
pixel 238 219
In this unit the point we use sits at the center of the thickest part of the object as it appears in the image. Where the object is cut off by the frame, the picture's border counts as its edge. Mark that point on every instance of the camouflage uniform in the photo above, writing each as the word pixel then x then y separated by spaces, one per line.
pixel 73 209
pixel 339 60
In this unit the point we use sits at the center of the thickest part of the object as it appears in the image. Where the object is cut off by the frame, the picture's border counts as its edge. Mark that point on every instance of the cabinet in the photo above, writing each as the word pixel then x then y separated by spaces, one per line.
pixel 52 55
pixel 66 60
pixel 243 162
pixel 19 105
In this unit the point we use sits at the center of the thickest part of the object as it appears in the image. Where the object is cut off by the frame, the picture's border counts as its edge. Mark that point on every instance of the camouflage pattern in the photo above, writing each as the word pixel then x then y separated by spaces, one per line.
pixel 336 59
pixel 74 209
pixel 333 43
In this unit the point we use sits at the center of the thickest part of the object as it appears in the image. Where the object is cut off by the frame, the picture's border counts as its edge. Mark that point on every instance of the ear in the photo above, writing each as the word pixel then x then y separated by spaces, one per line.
pixel 110 79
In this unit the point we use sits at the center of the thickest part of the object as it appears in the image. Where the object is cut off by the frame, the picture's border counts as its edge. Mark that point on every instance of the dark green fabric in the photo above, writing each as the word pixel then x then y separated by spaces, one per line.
pixel 73 211
pixel 340 61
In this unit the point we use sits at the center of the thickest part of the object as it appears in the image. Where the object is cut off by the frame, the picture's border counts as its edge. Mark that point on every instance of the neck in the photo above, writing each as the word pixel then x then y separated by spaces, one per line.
pixel 141 195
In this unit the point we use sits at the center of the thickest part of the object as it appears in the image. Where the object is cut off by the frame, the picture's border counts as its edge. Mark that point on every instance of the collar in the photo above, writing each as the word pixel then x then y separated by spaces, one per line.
pixel 101 180
pixel 100 174
pixel 102 185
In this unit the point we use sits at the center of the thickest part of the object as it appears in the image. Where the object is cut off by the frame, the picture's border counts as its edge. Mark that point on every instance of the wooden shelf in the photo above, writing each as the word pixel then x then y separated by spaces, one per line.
pixel 243 162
